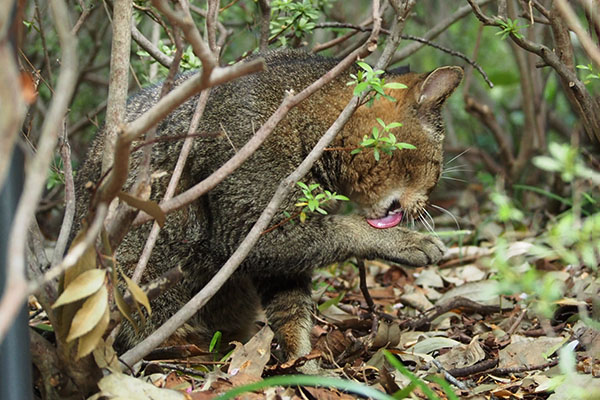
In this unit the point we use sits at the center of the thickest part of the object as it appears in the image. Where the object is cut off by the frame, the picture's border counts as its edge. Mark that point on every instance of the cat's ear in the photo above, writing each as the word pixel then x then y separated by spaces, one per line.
pixel 438 86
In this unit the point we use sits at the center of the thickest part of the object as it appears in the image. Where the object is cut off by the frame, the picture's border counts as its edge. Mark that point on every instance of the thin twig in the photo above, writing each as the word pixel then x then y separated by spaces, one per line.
pixel 434 32
pixel 449 377
pixel 65 228
pixel 183 154
pixel 85 13
pixel 415 39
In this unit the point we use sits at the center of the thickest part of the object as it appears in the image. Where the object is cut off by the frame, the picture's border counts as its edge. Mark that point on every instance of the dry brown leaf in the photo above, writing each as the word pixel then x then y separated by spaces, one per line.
pixel 462 355
pixel 89 315
pixel 525 351
pixel 84 285
pixel 126 387
pixel 148 206
pixel 137 293
pixel 388 334
pixel 89 341
pixel 252 357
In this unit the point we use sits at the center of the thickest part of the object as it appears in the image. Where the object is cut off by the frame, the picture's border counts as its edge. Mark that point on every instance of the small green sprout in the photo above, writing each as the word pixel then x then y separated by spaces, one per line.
pixel 379 143
pixel 368 80
pixel 510 27
pixel 312 202
pixel 591 75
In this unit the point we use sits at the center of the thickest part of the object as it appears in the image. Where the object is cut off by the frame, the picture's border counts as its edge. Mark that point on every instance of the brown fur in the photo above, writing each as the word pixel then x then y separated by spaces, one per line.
pixel 277 273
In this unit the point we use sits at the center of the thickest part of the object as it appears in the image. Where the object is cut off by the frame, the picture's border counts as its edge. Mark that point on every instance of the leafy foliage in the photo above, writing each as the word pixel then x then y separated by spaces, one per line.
pixel 367 80
pixel 311 202
pixel 379 143
pixel 510 27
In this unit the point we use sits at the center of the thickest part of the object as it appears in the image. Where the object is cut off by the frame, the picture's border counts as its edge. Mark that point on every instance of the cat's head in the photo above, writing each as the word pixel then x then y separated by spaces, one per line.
pixel 398 185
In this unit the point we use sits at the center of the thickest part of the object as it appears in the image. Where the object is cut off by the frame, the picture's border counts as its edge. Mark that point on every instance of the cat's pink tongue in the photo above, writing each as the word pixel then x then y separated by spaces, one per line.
pixel 389 221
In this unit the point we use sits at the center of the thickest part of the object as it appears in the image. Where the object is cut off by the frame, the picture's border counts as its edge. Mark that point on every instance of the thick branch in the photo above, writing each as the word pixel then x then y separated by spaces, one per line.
pixel 119 76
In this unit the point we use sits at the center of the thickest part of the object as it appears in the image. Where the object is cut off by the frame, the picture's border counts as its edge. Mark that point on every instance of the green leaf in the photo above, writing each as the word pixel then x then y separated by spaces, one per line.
pixel 356 151
pixel 376 154
pixel 380 121
pixel 407 146
pixel 302 185
pixel 393 125
pixel 547 163
pixel 215 342
pixel 368 142
pixel 413 379
pixel 331 302
pixel 361 87
pixel 365 66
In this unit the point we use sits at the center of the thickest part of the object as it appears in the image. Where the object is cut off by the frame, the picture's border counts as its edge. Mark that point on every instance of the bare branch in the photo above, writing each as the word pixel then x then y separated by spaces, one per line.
pixel 186 23
pixel 85 13
pixel 212 17
pixel 185 150
pixel 147 45
pixel 119 73
pixel 65 228
pixel 36 174
pixel 408 50
pixel 265 18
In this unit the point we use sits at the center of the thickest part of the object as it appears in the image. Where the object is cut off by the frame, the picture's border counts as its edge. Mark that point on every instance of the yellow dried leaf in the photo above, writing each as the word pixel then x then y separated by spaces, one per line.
pixel 124 307
pixel 81 287
pixel 149 206
pixel 89 341
pixel 138 293
pixel 89 315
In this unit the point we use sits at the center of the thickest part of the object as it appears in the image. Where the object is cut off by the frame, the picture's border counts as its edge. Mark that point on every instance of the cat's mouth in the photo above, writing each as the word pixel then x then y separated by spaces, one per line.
pixel 392 217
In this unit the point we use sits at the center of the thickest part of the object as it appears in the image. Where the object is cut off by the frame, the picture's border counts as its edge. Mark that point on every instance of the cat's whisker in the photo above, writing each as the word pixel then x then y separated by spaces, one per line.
pixel 442 209
pixel 430 218
pixel 427 225
pixel 456 168
pixel 450 178
pixel 457 156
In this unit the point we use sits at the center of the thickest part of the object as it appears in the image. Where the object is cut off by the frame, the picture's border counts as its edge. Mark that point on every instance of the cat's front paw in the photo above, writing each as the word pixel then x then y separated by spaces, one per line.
pixel 419 250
